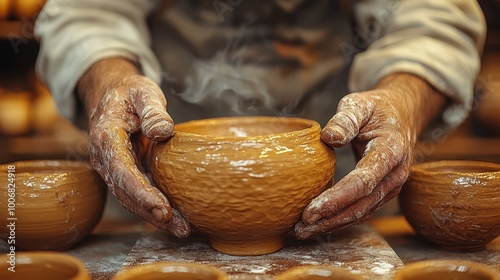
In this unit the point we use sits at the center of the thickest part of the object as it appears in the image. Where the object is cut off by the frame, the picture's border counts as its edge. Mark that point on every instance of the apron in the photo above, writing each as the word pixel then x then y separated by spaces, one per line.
pixel 260 57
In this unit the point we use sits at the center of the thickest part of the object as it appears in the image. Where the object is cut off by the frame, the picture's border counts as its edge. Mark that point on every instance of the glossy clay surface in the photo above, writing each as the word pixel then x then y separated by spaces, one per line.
pixel 57 203
pixel 43 266
pixel 447 270
pixel 244 181
pixel 454 204
pixel 171 270
pixel 318 273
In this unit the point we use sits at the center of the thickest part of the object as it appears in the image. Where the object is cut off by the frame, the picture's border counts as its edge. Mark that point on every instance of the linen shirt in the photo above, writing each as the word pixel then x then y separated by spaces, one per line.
pixel 260 57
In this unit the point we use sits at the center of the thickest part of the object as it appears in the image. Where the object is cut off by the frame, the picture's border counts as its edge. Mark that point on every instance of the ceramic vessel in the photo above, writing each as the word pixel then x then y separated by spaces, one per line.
pixel 172 270
pixel 446 269
pixel 42 266
pixel 53 203
pixel 244 181
pixel 454 204
pixel 317 272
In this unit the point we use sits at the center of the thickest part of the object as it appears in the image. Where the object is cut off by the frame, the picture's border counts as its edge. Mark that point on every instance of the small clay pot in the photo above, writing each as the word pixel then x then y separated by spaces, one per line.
pixel 56 203
pixel 446 269
pixel 41 266
pixel 244 181
pixel 318 272
pixel 172 270
pixel 453 204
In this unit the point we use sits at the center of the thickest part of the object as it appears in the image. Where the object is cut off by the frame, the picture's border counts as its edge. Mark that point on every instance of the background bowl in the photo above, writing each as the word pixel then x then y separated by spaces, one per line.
pixel 172 270
pixel 42 266
pixel 454 204
pixel 446 269
pixel 244 181
pixel 318 272
pixel 56 204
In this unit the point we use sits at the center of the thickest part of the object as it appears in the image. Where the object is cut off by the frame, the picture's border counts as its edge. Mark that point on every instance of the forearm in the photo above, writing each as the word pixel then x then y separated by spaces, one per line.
pixel 74 35
pixel 439 41
pixel 419 102
pixel 102 76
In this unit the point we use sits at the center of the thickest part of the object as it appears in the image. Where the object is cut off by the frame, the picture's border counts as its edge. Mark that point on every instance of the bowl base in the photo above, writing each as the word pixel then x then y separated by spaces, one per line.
pixel 248 247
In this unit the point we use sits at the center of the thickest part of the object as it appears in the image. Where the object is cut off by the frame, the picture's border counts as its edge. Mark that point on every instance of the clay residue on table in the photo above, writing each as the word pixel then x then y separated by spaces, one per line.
pixel 359 249
pixel 411 248
pixel 104 254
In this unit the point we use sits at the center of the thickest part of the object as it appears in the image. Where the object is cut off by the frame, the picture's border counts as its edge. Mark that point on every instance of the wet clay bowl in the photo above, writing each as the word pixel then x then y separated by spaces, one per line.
pixel 56 203
pixel 244 181
pixel 446 269
pixel 454 204
pixel 172 270
pixel 318 272
pixel 44 265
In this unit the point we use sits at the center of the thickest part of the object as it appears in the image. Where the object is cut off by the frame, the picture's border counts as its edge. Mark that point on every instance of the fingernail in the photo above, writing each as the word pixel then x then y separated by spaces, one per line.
pixel 303 234
pixel 333 135
pixel 178 226
pixel 160 214
pixel 313 219
pixel 180 232
pixel 302 231
pixel 161 131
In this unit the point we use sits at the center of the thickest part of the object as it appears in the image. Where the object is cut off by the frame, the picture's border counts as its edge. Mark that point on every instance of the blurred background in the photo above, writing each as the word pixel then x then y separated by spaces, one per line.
pixel 31 127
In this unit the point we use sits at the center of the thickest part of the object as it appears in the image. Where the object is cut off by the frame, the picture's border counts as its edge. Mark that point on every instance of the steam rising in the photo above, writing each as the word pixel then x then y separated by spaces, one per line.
pixel 218 80
pixel 238 77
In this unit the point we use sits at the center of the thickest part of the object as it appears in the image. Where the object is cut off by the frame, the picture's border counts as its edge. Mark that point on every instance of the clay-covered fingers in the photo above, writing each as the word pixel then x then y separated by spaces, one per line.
pixel 357 212
pixel 176 225
pixel 122 112
pixel 149 103
pixel 353 113
pixel 112 156
pixel 379 160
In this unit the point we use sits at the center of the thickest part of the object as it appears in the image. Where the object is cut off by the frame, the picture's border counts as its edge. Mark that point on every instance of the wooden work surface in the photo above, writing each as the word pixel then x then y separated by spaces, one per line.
pixel 376 250
pixel 359 249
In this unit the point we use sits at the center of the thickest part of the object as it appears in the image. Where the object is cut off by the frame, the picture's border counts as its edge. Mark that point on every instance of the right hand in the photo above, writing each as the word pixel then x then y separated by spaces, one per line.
pixel 121 103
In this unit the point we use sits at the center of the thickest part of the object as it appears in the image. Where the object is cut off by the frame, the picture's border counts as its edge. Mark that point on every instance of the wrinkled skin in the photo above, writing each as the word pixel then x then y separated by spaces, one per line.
pixel 123 105
pixel 382 126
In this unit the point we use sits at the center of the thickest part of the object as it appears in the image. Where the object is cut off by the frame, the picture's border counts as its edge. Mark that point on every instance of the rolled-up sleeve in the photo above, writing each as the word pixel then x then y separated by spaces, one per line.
pixel 440 41
pixel 74 34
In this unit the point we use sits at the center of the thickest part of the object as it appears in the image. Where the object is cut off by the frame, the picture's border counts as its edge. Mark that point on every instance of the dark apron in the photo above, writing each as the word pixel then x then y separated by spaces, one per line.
pixel 242 57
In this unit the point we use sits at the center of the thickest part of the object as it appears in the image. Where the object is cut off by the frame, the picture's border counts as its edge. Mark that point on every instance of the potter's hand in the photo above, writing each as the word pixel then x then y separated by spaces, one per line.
pixel 382 125
pixel 120 104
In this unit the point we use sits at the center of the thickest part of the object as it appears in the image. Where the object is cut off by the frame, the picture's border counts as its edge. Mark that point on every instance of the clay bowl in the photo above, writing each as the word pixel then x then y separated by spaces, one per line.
pixel 56 204
pixel 244 181
pixel 454 204
pixel 318 272
pixel 446 269
pixel 172 270
pixel 42 266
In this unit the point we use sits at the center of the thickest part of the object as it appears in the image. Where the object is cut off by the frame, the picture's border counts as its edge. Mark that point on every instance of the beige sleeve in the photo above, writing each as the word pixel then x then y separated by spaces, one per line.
pixel 74 35
pixel 440 41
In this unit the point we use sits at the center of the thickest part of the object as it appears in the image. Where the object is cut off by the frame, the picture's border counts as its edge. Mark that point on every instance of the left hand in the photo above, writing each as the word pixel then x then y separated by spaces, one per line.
pixel 382 125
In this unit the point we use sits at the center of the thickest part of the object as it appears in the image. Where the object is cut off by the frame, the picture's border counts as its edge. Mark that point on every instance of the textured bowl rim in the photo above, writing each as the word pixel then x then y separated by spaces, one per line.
pixel 41 257
pixel 303 271
pixel 162 266
pixel 410 268
pixel 311 125
pixel 426 167
pixel 59 166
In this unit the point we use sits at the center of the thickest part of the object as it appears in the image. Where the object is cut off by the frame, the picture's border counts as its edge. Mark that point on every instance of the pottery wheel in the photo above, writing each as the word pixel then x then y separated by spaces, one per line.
pixel 359 249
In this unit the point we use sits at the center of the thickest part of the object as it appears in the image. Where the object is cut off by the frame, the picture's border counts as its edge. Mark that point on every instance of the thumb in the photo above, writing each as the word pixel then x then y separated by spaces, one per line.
pixel 352 114
pixel 150 105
